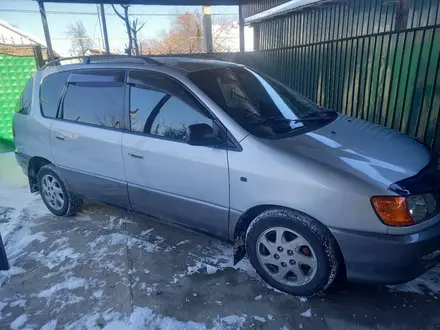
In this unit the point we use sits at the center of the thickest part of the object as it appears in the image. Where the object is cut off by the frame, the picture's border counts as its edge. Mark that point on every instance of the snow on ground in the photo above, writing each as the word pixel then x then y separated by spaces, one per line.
pixel 145 318
pixel 22 212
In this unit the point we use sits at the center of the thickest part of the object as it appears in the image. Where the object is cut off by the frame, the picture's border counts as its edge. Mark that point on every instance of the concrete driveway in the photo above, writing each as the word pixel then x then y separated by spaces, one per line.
pixel 109 269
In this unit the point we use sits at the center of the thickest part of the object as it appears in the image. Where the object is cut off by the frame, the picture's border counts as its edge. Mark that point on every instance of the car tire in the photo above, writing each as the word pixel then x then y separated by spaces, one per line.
pixel 55 192
pixel 292 252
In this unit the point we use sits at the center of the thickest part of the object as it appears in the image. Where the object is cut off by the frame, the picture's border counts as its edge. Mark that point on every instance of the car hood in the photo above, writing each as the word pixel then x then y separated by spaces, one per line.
pixel 369 151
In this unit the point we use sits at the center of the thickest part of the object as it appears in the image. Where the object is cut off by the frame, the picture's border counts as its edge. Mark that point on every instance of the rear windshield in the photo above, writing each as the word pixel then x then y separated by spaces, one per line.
pixel 261 105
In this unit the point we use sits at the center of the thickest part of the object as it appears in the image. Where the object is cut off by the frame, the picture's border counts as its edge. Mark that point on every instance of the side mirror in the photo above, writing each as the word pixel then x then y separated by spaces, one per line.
pixel 201 135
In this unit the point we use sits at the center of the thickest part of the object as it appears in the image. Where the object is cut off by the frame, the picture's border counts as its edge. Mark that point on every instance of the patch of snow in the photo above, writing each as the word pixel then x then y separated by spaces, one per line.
pixel 307 313
pixel 63 241
pixel 303 299
pixel 183 242
pixel 98 294
pixel 7 274
pixel 258 297
pixel 19 303
pixel 270 317
pixel 146 232
pixel 19 322
pixel 115 266
pixel 71 283
pixel 116 222
pixel 211 269
pixel 129 241
pixel 259 318
pixel 57 257
pixel 145 318
pixel 51 325
pixel 234 321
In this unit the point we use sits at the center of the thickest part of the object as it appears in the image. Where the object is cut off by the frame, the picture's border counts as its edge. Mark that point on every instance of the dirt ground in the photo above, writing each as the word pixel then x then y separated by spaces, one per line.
pixel 110 269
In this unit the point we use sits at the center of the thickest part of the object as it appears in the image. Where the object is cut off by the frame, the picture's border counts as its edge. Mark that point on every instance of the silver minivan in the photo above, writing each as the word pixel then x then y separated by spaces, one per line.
pixel 308 194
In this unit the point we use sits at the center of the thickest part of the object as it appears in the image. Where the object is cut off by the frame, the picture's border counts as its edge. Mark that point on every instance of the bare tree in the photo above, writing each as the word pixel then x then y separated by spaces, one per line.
pixel 186 35
pixel 132 29
pixel 81 43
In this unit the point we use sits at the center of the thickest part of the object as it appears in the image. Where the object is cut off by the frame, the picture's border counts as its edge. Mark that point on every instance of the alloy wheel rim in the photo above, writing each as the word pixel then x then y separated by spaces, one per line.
pixel 287 256
pixel 53 193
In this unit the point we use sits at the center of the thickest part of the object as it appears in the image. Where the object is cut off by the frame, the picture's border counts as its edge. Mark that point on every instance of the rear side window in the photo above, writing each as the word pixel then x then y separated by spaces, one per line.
pixel 96 98
pixel 24 102
pixel 51 91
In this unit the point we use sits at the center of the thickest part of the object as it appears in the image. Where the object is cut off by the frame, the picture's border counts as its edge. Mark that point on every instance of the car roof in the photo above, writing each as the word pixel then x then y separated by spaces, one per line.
pixel 191 64
pixel 183 63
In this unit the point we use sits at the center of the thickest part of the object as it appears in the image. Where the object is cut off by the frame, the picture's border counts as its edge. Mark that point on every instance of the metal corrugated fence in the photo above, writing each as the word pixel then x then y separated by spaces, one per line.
pixel 365 70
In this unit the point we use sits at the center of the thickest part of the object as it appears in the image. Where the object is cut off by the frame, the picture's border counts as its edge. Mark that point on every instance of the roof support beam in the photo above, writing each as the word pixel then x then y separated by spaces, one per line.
pixel 46 30
pixel 207 28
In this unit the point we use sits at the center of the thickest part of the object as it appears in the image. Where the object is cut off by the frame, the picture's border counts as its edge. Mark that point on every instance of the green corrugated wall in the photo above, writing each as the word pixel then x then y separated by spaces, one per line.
pixel 15 71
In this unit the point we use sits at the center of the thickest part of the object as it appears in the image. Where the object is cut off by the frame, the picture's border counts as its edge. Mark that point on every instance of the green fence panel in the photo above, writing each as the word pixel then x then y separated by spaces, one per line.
pixel 15 71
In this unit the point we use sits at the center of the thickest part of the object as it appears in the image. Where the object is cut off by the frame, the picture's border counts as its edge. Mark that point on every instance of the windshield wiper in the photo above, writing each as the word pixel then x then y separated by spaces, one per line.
pixel 287 120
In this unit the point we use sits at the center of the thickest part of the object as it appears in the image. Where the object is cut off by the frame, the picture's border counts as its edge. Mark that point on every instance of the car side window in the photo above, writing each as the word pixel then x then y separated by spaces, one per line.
pixel 95 97
pixel 161 106
pixel 51 91
pixel 24 102
pixel 142 103
pixel 174 118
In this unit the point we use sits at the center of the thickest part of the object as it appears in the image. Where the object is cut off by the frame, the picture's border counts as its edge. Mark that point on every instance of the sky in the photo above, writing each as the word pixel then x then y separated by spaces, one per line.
pixel 157 18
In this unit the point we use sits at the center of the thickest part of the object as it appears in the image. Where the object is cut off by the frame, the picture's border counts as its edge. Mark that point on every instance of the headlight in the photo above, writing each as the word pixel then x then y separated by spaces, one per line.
pixel 422 207
pixel 406 211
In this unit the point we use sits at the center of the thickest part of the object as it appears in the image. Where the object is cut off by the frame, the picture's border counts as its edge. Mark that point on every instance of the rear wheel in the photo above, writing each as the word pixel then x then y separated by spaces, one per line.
pixel 56 193
pixel 292 252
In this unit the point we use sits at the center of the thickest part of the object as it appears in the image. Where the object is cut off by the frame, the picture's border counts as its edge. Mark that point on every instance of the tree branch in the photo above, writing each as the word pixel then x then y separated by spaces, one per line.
pixel 117 13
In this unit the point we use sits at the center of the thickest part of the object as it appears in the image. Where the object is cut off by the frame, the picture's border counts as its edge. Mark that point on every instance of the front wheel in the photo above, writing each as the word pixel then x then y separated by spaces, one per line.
pixel 292 252
pixel 55 192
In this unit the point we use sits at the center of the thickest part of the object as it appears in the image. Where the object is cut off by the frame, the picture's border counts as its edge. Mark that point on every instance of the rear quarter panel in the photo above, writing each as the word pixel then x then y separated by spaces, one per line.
pixel 32 132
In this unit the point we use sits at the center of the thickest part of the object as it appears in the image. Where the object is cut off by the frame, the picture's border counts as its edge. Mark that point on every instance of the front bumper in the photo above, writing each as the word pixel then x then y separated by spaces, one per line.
pixel 23 161
pixel 388 259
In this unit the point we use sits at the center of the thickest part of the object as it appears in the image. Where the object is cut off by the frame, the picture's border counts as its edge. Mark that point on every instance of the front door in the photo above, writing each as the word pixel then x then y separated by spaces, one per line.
pixel 86 137
pixel 168 178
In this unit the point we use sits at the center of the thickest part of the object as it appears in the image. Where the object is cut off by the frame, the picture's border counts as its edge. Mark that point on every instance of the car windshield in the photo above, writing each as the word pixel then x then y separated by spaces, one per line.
pixel 261 105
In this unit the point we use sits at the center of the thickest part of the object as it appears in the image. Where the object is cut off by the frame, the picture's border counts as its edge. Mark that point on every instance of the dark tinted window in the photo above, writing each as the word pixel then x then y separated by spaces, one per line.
pixel 50 93
pixel 24 102
pixel 159 105
pixel 261 105
pixel 142 103
pixel 174 118
pixel 95 99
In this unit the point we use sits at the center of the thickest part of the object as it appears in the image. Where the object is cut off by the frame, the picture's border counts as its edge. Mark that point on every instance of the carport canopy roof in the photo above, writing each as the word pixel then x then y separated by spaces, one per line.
pixel 153 2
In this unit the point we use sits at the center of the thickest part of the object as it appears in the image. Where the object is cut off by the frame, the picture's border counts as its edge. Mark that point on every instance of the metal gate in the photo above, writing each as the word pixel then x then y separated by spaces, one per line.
pixel 372 59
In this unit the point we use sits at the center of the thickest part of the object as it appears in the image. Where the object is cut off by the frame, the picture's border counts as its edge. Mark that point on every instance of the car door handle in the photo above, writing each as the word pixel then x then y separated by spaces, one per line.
pixel 138 156
pixel 59 137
